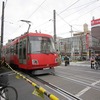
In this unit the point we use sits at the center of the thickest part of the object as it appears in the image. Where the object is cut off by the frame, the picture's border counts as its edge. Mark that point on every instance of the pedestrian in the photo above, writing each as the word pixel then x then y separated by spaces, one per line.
pixel 66 59
pixel 92 59
pixel 97 58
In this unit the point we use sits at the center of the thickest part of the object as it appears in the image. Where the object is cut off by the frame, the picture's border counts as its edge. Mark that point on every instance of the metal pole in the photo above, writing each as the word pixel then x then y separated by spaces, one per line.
pixel 28 28
pixel 71 42
pixel 54 20
pixel 2 27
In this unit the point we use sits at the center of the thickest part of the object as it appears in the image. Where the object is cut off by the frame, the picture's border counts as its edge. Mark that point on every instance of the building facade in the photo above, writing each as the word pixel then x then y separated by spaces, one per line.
pixel 77 46
pixel 95 33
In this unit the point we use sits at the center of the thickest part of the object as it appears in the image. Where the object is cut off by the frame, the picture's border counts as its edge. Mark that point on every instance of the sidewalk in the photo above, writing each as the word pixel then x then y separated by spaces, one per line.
pixel 80 63
pixel 25 89
pixel 84 62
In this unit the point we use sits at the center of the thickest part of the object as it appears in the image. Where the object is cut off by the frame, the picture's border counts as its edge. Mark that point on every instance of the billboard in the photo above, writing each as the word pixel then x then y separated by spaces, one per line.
pixel 95 28
pixel 95 33
pixel 95 23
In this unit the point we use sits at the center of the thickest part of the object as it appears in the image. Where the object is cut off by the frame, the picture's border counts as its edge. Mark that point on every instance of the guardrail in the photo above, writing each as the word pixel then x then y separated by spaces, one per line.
pixel 40 90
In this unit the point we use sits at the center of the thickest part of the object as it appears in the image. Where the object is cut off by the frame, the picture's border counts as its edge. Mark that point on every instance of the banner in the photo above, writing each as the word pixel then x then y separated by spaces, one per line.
pixel 87 40
pixel 95 22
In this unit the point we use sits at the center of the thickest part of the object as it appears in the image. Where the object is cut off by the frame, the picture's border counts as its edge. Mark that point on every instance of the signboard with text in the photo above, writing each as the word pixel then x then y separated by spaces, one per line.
pixel 95 22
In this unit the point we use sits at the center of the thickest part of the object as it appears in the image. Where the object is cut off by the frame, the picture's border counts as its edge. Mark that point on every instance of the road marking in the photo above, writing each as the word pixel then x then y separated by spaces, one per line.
pixel 86 89
pixel 94 83
pixel 83 91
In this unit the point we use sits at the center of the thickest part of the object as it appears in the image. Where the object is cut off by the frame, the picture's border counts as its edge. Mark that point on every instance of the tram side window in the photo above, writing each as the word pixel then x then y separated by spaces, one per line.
pixel 17 48
pixel 12 49
pixel 20 49
pixel 7 51
pixel 24 49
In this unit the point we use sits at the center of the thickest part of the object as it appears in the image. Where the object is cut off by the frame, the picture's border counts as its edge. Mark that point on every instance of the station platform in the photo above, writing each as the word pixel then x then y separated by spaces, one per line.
pixel 24 89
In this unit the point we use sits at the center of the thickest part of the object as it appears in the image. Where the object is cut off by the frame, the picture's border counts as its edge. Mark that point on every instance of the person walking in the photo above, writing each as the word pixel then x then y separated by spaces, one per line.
pixel 92 59
pixel 66 59
pixel 97 58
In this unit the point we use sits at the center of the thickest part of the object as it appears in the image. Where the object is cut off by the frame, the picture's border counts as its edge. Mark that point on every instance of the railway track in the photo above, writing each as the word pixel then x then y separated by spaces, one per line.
pixel 60 91
pixel 57 89
pixel 67 95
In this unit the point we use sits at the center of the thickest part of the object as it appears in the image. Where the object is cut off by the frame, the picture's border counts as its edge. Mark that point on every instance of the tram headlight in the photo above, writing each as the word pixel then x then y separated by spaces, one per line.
pixel 34 61
pixel 58 60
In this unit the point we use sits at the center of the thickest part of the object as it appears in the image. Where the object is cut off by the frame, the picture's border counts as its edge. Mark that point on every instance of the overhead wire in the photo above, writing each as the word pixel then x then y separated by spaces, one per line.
pixel 81 9
pixel 88 12
pixel 83 4
pixel 66 21
pixel 31 14
pixel 73 13
pixel 85 13
pixel 69 7
pixel 57 14
pixel 37 8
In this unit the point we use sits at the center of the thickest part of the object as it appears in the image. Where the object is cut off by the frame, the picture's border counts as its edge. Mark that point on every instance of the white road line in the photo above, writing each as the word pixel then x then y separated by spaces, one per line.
pixel 86 89
pixel 93 84
pixel 83 91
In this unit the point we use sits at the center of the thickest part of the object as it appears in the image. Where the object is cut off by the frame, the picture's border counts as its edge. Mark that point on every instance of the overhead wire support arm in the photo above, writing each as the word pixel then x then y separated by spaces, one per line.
pixel 28 22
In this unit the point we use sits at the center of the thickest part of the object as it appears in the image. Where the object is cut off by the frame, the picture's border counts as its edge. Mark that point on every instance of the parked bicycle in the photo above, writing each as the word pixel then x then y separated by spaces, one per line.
pixel 7 92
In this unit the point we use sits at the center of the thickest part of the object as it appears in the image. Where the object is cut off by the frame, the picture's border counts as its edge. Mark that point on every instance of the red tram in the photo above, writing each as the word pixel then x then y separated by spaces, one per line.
pixel 32 51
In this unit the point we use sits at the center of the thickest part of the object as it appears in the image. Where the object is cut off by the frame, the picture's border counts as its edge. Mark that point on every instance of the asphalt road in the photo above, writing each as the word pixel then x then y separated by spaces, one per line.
pixel 77 79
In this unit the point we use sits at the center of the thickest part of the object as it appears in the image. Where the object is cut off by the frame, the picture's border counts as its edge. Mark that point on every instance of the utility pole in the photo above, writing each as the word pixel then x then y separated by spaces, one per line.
pixel 71 41
pixel 54 20
pixel 2 27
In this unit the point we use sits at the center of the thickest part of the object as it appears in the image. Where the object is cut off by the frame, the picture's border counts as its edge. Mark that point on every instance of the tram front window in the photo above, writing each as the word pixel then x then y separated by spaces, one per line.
pixel 41 45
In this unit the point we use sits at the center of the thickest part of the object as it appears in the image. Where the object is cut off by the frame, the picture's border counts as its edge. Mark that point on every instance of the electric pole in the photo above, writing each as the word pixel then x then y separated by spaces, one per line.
pixel 54 20
pixel 2 27
pixel 71 41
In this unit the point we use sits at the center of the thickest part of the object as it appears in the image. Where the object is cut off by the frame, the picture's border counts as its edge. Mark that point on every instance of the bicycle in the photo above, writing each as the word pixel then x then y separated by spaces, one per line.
pixel 97 65
pixel 7 92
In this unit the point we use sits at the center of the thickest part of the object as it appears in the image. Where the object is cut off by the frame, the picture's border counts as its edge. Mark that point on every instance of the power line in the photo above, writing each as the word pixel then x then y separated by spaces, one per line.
pixel 37 8
pixel 65 21
pixel 69 7
pixel 32 13
pixel 88 12
pixel 83 4
pixel 80 9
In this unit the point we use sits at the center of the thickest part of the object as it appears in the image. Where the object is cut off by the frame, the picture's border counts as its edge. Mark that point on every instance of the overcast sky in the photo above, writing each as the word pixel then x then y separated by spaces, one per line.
pixel 40 13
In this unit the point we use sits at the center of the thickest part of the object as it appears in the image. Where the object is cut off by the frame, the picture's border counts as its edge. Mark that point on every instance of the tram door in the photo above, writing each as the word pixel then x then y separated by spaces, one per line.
pixel 22 51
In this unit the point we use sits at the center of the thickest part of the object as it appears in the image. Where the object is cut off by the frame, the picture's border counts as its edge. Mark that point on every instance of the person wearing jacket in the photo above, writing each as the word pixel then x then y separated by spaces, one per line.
pixel 66 59
pixel 97 58
pixel 92 59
